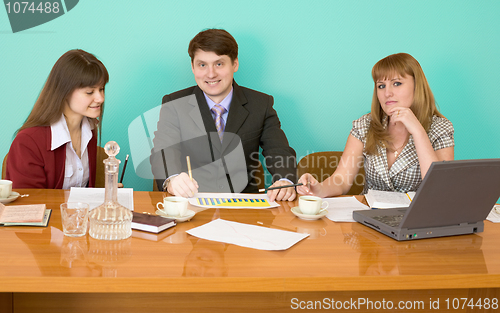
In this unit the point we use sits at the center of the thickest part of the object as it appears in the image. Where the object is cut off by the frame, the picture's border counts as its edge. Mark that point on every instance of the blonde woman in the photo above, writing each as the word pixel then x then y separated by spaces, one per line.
pixel 398 140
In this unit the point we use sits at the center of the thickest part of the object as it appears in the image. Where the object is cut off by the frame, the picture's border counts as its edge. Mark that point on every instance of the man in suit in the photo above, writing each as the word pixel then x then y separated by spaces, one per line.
pixel 220 126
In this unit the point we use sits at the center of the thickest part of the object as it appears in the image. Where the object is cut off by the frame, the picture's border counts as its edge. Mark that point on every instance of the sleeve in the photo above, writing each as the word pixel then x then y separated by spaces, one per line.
pixel 25 163
pixel 280 158
pixel 441 134
pixel 166 145
pixel 360 127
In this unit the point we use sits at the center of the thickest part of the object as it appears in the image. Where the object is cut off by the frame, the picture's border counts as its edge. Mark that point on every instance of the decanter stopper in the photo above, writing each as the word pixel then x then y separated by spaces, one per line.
pixel 111 166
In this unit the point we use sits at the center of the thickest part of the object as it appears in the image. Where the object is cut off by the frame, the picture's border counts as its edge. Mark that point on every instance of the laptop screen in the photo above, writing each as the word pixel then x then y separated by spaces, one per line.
pixel 455 192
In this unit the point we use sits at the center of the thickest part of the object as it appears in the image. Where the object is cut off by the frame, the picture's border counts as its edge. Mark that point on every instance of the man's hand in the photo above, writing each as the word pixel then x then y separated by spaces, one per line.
pixel 181 185
pixel 283 194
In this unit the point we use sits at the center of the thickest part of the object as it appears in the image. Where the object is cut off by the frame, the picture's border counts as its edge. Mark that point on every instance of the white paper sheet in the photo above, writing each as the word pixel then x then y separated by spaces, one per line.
pixel 200 199
pixel 389 199
pixel 494 215
pixel 244 235
pixel 340 209
pixel 95 196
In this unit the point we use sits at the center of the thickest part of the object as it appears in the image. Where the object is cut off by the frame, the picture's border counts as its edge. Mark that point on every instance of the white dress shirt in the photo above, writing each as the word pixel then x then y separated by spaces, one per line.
pixel 76 170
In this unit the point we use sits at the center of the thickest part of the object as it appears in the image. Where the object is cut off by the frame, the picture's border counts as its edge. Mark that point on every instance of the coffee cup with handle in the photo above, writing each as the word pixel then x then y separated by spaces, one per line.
pixel 5 188
pixel 311 205
pixel 173 206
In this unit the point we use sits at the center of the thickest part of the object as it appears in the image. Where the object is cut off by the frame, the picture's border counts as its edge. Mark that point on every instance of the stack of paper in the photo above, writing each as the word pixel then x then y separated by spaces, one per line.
pixel 340 208
pixel 388 199
pixel 494 215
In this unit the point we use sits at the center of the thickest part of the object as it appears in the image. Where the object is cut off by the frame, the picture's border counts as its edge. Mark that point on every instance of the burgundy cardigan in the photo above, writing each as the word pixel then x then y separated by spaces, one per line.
pixel 31 163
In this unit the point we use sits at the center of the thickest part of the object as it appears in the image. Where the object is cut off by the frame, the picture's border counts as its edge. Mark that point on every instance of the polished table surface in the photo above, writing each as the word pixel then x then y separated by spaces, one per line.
pixel 335 257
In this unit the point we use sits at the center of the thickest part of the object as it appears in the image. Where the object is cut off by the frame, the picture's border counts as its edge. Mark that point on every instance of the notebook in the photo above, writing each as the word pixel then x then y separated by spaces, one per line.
pixel 151 223
pixel 453 199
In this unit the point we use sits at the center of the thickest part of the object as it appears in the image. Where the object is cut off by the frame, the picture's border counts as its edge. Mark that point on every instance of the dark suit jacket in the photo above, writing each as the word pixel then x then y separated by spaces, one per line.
pixel 31 163
pixel 251 119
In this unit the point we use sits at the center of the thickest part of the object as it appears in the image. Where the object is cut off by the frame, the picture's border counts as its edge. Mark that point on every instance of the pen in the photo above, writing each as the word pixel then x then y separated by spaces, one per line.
pixel 124 167
pixel 279 187
pixel 189 167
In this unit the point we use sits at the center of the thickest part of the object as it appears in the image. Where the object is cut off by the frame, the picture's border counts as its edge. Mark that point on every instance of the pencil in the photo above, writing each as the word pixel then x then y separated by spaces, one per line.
pixel 279 187
pixel 189 167
pixel 124 167
pixel 408 197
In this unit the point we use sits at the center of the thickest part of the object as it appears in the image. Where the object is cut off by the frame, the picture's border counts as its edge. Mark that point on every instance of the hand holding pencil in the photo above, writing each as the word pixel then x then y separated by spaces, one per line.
pixel 281 190
pixel 183 185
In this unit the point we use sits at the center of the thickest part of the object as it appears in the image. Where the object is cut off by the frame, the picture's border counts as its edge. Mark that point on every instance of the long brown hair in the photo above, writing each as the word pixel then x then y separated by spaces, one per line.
pixel 423 106
pixel 74 69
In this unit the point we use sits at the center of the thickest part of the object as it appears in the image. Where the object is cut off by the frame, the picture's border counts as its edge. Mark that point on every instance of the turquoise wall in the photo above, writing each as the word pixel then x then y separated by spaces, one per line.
pixel 314 58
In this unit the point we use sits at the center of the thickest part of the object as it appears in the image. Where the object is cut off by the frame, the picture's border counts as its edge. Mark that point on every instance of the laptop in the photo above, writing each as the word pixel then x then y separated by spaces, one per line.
pixel 453 199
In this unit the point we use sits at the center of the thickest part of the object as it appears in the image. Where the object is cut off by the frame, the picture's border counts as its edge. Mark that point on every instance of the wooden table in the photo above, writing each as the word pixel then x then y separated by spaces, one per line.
pixel 339 265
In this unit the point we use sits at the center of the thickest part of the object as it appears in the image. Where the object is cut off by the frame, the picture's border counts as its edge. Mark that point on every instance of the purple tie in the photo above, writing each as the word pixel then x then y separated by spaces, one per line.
pixel 219 122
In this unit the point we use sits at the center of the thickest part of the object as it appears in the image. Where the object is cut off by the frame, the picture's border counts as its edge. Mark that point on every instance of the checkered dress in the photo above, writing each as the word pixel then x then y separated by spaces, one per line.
pixel 404 174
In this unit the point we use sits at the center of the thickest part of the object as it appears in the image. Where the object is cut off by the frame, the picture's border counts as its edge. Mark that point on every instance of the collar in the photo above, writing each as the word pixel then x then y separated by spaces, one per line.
pixel 60 132
pixel 225 103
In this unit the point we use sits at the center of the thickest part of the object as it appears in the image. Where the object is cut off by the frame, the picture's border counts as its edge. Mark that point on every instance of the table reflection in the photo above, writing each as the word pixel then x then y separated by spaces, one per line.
pixel 109 254
pixel 315 229
pixel 381 255
pixel 206 259
pixel 79 256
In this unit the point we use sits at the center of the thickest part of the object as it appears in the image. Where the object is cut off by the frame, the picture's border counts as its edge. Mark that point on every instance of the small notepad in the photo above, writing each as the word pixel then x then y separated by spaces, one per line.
pixel 24 215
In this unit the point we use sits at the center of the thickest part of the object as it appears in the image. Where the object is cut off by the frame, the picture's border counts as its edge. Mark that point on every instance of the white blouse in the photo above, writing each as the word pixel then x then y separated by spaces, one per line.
pixel 76 170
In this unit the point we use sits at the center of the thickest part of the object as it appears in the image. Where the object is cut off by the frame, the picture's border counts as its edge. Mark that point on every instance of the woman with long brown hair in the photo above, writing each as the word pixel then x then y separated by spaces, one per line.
pixel 398 140
pixel 56 146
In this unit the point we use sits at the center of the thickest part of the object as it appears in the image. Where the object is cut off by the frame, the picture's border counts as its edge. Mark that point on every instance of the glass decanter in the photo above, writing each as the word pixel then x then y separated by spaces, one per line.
pixel 110 220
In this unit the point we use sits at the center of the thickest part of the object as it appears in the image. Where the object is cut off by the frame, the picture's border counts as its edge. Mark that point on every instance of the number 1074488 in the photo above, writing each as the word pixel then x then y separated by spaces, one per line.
pixel 31 7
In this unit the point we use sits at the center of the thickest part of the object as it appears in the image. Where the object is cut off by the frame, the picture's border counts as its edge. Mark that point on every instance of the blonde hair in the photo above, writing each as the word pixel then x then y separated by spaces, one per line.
pixel 423 106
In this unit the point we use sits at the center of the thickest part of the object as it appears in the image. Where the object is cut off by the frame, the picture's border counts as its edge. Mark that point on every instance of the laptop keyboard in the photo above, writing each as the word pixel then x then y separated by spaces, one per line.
pixel 393 220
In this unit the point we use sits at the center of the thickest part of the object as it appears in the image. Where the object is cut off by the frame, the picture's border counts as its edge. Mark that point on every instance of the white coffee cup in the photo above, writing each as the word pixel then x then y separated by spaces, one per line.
pixel 5 188
pixel 174 206
pixel 311 205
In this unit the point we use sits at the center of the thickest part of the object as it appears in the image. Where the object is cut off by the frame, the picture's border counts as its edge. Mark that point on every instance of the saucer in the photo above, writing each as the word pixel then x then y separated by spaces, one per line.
pixel 179 219
pixel 307 217
pixel 13 196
